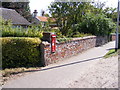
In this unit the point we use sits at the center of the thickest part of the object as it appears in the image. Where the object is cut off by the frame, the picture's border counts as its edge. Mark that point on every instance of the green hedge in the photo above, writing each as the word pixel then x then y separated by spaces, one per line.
pixel 20 52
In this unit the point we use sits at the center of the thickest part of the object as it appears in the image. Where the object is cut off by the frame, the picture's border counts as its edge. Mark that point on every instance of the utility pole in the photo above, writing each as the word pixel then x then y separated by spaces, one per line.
pixel 117 34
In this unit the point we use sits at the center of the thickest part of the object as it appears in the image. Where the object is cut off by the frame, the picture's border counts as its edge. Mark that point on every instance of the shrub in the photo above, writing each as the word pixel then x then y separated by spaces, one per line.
pixel 78 34
pixel 8 30
pixel 63 39
pixel 96 25
pixel 20 52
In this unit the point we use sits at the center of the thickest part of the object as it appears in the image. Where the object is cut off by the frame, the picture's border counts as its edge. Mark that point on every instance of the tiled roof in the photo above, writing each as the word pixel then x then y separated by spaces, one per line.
pixel 45 19
pixel 16 18
pixel 42 18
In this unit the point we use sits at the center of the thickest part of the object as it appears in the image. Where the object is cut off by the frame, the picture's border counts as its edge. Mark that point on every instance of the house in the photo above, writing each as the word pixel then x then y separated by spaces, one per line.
pixel 44 20
pixel 16 18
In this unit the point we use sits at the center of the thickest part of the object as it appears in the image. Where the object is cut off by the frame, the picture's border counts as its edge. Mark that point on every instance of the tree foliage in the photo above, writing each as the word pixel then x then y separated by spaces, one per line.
pixel 97 24
pixel 8 30
pixel 111 13
pixel 68 14
pixel 81 17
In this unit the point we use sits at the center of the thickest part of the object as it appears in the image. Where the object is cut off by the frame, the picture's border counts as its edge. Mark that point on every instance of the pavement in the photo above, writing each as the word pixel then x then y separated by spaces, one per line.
pixel 63 74
pixel 104 74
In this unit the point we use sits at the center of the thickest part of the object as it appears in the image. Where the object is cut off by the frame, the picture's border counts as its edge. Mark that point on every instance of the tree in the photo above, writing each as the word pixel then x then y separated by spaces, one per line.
pixel 99 4
pixel 108 11
pixel 68 14
pixel 97 24
pixel 74 17
pixel 111 13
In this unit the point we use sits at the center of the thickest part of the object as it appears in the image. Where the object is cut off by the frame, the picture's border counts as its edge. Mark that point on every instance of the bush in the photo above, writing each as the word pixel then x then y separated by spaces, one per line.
pixel 20 52
pixel 96 25
pixel 78 34
pixel 63 39
pixel 11 31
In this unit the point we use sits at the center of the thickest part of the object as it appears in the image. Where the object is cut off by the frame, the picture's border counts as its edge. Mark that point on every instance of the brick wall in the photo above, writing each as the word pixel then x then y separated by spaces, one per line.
pixel 100 40
pixel 71 48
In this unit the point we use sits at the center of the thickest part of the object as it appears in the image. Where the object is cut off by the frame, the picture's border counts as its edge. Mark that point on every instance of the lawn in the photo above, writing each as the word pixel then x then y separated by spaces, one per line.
pixel 111 53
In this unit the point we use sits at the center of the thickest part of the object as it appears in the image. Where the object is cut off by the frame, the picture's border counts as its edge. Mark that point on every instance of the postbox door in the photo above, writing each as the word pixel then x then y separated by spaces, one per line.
pixel 53 43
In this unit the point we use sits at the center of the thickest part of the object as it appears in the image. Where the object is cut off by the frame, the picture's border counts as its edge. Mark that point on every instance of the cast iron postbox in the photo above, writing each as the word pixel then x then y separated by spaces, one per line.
pixel 53 43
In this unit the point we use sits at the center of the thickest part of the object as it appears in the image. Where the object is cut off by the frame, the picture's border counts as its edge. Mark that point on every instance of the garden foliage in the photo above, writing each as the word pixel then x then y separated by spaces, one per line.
pixel 77 18
pixel 8 30
pixel 20 52
pixel 97 25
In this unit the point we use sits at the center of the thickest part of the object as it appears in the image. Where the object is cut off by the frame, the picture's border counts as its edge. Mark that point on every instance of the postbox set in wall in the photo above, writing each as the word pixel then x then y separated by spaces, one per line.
pixel 53 42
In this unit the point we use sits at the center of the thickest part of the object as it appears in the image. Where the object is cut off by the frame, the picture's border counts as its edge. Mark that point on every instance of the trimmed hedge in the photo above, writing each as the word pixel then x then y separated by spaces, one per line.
pixel 20 52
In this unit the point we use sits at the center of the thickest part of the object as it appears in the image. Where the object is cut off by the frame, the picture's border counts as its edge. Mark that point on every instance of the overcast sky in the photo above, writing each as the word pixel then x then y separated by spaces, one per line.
pixel 39 5
pixel 43 4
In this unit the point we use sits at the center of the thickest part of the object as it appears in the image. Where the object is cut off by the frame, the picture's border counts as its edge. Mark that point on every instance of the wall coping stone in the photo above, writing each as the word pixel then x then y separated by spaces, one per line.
pixel 81 38
pixel 46 43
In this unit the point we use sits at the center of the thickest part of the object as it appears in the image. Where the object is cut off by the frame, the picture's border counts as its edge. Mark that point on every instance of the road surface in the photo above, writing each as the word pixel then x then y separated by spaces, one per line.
pixel 86 70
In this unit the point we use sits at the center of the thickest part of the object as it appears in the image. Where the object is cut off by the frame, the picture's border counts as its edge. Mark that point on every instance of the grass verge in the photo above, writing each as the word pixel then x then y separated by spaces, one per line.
pixel 111 53
pixel 13 71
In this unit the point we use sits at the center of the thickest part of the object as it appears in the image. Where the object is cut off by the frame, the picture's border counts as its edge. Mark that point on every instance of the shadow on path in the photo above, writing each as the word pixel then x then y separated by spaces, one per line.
pixel 67 64
pixel 71 63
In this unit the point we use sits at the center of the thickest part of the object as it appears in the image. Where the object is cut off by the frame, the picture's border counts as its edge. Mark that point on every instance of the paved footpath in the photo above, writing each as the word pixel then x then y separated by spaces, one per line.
pixel 67 73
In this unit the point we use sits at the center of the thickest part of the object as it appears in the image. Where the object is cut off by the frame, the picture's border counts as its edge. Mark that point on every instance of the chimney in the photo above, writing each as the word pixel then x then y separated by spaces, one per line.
pixel 35 13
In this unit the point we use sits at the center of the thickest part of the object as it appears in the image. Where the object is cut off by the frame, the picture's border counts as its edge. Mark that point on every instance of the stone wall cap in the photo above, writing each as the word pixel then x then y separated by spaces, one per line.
pixel 74 39
pixel 45 43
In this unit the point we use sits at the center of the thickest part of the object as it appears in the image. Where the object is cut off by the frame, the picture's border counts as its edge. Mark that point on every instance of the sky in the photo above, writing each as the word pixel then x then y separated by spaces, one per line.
pixel 39 5
pixel 43 4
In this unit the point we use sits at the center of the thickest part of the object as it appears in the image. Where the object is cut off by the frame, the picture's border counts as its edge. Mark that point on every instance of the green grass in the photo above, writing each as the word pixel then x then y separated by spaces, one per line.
pixel 111 53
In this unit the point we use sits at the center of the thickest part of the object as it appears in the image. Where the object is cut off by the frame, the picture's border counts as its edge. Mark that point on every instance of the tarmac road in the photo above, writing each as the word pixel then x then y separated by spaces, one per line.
pixel 67 73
